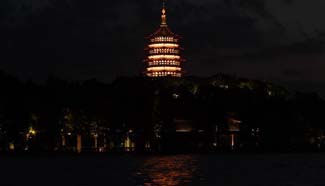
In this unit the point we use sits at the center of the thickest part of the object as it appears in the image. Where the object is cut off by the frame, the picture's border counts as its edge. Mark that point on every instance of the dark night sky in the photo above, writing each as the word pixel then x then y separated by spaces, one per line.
pixel 277 40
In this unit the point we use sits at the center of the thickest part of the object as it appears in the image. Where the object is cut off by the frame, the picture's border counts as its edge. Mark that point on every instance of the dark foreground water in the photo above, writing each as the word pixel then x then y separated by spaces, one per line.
pixel 182 170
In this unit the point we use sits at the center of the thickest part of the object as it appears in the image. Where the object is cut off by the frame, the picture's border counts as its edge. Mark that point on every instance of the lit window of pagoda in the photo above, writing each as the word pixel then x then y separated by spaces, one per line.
pixel 163 52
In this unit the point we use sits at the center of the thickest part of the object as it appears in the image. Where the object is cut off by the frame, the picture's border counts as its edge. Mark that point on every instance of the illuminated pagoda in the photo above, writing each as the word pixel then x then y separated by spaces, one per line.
pixel 163 52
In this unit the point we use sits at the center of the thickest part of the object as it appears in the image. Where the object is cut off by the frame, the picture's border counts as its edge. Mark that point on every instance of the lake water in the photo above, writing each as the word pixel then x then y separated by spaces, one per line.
pixel 176 170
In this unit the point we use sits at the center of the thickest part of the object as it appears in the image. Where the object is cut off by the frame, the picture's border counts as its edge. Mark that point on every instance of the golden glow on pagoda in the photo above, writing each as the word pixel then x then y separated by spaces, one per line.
pixel 163 52
pixel 164 57
pixel 162 45
pixel 164 68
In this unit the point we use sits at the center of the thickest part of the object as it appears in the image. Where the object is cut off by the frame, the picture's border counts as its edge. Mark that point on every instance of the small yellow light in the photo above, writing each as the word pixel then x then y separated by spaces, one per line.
pixel 32 131
pixel 11 146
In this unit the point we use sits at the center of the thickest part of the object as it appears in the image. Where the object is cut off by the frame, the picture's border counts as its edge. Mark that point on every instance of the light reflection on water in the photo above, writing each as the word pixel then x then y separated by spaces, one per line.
pixel 168 171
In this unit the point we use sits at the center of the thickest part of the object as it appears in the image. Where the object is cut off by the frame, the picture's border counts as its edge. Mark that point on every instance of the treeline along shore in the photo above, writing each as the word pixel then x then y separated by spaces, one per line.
pixel 138 114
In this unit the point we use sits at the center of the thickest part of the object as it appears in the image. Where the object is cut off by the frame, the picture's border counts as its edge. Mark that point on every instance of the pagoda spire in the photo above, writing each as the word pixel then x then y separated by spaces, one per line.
pixel 163 15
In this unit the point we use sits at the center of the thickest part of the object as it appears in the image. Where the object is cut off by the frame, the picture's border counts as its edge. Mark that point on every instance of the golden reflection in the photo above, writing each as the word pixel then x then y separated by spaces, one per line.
pixel 168 171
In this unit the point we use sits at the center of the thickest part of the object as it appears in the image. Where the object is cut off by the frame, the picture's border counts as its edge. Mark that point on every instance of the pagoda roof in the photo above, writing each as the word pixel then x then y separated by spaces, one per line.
pixel 163 31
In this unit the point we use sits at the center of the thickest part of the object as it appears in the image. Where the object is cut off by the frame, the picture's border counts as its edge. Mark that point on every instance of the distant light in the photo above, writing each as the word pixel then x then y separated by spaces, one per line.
pixel 69 133
pixel 32 131
pixel 147 145
pixel 183 130
pixel 11 146
pixel 224 86
pixel 175 96
pixel 79 143
pixel 236 121
pixel 232 140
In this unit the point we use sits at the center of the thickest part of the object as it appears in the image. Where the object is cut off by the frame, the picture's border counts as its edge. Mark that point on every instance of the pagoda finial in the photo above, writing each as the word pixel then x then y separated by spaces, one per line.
pixel 163 16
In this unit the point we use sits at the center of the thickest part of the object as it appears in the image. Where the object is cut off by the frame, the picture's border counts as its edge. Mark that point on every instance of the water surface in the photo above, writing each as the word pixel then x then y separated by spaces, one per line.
pixel 169 170
pixel 177 170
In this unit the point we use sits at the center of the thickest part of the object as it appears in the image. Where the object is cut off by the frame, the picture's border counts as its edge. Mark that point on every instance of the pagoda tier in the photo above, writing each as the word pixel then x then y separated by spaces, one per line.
pixel 163 52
